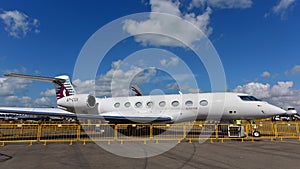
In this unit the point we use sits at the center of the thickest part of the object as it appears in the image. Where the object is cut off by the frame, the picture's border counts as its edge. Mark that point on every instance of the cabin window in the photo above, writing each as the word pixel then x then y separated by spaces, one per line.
pixel 117 105
pixel 203 103
pixel 175 103
pixel 162 104
pixel 138 104
pixel 189 103
pixel 150 104
pixel 249 98
pixel 127 104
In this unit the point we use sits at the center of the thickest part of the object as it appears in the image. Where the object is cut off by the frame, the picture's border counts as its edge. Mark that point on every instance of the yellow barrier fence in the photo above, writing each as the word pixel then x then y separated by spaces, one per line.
pixel 287 130
pixel 46 133
pixel 169 132
pixel 202 132
pixel 18 133
pixel 58 133
pixel 96 132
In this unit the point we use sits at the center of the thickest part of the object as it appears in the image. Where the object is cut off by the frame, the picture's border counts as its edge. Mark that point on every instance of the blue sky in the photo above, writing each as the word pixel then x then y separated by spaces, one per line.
pixel 258 43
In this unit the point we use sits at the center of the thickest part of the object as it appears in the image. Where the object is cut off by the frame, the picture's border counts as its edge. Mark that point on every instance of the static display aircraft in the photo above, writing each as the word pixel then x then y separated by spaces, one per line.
pixel 173 108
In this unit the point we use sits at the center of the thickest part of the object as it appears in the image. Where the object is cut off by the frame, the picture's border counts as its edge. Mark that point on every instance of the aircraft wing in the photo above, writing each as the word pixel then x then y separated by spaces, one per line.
pixel 37 111
pixel 113 117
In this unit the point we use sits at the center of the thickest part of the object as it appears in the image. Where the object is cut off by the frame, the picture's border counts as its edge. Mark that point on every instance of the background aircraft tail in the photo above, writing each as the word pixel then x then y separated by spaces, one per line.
pixel 136 91
pixel 62 84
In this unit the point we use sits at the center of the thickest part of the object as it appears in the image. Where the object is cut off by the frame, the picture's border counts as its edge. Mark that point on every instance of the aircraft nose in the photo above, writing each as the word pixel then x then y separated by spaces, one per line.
pixel 274 110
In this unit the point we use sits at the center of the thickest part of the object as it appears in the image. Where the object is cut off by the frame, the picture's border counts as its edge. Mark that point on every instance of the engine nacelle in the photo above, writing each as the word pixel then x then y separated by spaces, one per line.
pixel 291 111
pixel 79 102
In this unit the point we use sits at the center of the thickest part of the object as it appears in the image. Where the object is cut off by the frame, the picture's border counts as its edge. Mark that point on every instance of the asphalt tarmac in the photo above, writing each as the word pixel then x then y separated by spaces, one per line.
pixel 231 154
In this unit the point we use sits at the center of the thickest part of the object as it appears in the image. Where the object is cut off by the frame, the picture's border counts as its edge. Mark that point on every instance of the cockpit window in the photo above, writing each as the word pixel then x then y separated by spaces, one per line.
pixel 249 98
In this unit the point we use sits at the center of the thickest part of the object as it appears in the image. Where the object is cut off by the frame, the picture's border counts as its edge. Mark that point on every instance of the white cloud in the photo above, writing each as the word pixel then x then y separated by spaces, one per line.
pixel 158 29
pixel 172 62
pixel 14 91
pixel 254 88
pixel 26 101
pixel 281 94
pixel 43 101
pixel 265 74
pixel 48 93
pixel 165 6
pixel 281 8
pixel 296 70
pixel 193 90
pixel 187 88
pixel 87 86
pixel 12 86
pixel 282 89
pixel 287 101
pixel 18 24
pixel 120 80
pixel 158 26
pixel 116 81
pixel 223 4
pixel 17 101
pixel 172 86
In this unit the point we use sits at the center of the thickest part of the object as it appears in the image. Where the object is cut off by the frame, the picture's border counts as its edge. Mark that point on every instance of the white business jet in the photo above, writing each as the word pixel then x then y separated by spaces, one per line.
pixel 174 108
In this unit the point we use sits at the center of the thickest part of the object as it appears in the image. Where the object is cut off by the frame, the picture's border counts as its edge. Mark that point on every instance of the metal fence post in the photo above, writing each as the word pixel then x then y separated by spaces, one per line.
pixel 247 130
pixel 151 131
pixel 78 131
pixel 216 131
pixel 115 132
pixel 275 130
pixel 184 131
pixel 39 132
pixel 297 128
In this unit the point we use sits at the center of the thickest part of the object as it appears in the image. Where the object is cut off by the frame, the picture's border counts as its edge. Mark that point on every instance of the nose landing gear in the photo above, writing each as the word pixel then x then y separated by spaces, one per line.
pixel 256 133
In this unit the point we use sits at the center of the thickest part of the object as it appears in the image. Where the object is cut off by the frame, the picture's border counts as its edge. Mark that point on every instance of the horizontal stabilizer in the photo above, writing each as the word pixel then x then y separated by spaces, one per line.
pixel 62 83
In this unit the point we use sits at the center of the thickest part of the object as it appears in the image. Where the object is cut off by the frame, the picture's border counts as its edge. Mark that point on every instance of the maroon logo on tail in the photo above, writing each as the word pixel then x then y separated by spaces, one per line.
pixel 63 92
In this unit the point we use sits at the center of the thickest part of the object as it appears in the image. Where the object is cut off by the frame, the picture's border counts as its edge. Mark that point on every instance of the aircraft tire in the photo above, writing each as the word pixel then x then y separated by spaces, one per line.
pixel 256 134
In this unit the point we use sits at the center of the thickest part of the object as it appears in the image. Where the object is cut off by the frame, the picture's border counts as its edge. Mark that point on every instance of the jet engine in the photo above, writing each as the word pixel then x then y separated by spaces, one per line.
pixel 79 102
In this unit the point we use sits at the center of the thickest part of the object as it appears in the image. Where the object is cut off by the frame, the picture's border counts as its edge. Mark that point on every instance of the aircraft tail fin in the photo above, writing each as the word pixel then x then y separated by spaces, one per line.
pixel 62 84
pixel 63 88
pixel 136 90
